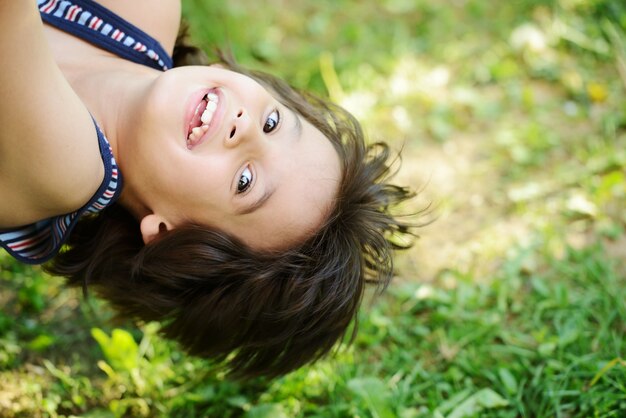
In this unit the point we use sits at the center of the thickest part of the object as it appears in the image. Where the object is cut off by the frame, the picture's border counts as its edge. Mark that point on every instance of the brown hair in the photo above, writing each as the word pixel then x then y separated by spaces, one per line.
pixel 265 313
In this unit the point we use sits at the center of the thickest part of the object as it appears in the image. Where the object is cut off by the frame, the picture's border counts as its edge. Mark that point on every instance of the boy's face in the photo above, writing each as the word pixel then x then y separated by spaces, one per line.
pixel 252 168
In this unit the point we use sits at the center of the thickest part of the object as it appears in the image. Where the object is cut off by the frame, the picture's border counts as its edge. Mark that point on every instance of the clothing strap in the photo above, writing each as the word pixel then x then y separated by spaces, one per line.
pixel 40 241
pixel 101 27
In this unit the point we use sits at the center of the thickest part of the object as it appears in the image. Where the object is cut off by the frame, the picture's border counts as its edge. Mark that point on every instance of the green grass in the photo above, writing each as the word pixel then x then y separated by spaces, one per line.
pixel 512 302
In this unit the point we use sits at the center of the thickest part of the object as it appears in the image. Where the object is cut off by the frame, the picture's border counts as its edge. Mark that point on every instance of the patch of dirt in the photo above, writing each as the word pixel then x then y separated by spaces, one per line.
pixel 457 183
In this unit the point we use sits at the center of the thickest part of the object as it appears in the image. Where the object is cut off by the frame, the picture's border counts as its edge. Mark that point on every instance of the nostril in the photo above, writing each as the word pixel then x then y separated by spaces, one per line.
pixel 232 133
pixel 240 113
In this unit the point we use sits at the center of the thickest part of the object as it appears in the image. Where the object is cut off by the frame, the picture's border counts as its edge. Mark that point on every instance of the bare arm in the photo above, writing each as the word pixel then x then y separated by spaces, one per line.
pixel 49 159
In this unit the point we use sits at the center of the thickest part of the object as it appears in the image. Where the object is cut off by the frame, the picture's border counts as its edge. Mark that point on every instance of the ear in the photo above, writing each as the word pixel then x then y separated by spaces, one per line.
pixel 150 226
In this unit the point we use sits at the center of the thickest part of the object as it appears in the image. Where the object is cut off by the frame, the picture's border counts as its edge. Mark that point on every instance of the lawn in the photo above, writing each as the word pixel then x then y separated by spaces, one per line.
pixel 511 117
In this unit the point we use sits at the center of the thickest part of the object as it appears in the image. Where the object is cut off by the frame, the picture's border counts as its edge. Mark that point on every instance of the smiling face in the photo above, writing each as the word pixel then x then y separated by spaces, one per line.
pixel 214 147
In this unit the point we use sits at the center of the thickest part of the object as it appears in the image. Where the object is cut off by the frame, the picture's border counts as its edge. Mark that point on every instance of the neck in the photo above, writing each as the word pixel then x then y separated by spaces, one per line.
pixel 114 94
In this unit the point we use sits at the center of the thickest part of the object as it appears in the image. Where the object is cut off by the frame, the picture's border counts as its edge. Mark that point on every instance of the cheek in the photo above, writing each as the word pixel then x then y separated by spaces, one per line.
pixel 205 177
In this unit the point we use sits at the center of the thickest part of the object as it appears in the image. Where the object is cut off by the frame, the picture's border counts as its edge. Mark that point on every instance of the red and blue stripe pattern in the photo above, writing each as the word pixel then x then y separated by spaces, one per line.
pixel 40 241
pixel 94 23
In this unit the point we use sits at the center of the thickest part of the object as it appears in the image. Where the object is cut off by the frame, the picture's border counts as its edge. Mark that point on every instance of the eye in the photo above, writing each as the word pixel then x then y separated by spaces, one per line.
pixel 244 181
pixel 271 122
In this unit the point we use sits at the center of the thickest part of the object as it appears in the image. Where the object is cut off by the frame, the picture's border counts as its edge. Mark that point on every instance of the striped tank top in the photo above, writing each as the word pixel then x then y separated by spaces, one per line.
pixel 85 19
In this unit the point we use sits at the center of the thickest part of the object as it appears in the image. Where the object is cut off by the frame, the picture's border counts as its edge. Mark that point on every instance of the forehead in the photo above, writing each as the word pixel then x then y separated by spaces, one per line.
pixel 305 180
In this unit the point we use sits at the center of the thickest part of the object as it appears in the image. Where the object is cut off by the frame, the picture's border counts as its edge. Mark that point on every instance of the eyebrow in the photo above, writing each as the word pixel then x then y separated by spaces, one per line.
pixel 258 203
pixel 298 125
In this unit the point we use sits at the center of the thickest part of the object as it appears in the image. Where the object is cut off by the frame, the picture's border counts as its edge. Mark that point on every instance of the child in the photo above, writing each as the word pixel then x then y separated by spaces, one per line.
pixel 243 215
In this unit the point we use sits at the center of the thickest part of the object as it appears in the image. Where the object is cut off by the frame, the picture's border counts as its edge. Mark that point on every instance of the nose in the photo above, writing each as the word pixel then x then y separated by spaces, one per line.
pixel 240 128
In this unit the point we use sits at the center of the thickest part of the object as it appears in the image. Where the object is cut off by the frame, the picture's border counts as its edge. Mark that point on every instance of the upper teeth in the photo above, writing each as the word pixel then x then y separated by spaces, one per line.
pixel 207 115
pixel 197 132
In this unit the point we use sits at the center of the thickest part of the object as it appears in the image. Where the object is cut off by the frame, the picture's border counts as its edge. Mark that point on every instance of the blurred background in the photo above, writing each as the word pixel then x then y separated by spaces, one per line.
pixel 511 118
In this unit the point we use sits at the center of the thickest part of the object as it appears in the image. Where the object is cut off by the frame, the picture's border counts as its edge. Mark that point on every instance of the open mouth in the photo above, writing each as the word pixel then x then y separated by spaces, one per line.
pixel 202 117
